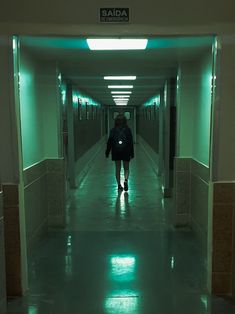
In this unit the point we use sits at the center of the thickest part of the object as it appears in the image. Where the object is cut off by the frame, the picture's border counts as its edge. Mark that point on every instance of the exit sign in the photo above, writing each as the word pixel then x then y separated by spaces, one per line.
pixel 114 15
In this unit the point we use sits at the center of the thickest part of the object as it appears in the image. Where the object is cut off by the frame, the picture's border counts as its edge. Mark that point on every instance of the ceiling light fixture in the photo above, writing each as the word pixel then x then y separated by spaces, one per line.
pixel 116 44
pixel 121 92
pixel 120 78
pixel 121 96
pixel 121 102
pixel 120 86
pixel 121 99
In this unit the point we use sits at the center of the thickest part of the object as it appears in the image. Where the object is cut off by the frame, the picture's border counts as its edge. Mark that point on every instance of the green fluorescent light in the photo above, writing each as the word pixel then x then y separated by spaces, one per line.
pixel 120 92
pixel 120 78
pixel 116 44
pixel 120 86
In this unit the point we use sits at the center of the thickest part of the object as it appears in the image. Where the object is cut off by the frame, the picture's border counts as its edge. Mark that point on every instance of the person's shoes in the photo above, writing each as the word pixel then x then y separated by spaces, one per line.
pixel 120 188
pixel 125 185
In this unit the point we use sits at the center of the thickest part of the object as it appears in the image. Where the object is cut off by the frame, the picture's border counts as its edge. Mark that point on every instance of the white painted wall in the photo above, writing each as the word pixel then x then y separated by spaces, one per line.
pixel 194 108
pixel 224 132
pixel 185 107
pixel 9 161
pixel 143 15
pixel 30 112
pixel 39 105
pixel 202 110
pixel 49 102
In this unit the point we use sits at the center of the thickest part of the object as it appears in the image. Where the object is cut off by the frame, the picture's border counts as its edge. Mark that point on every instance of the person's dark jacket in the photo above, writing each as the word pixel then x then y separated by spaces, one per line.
pixel 128 151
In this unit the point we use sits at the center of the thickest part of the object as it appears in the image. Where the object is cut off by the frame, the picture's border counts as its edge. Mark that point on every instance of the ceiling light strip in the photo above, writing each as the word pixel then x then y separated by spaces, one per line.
pixel 120 96
pixel 116 44
pixel 120 86
pixel 120 77
pixel 121 92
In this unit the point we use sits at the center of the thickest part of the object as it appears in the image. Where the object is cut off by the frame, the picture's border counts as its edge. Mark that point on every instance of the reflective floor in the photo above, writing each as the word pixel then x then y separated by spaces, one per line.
pixel 119 254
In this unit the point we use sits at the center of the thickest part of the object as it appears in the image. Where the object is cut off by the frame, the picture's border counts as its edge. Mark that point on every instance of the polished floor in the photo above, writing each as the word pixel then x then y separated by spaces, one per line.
pixel 119 254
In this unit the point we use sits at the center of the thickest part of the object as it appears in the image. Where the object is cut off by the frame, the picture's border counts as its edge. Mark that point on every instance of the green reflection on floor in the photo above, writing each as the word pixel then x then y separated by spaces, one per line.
pixel 33 309
pixel 122 302
pixel 123 267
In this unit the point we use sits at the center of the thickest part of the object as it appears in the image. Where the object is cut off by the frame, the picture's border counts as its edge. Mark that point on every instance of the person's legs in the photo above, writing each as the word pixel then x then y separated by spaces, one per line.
pixel 117 172
pixel 126 169
pixel 126 174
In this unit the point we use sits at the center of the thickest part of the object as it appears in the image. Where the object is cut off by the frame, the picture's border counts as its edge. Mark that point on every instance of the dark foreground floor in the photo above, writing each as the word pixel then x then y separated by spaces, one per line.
pixel 119 254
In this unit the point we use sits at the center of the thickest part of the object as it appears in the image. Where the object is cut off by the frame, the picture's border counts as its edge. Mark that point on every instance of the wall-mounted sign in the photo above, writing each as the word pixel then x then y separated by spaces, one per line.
pixel 114 15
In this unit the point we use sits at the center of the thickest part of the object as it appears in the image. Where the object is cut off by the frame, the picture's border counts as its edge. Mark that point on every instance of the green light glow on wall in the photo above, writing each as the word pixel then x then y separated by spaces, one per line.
pixel 83 99
pixel 154 101
pixel 14 43
pixel 63 96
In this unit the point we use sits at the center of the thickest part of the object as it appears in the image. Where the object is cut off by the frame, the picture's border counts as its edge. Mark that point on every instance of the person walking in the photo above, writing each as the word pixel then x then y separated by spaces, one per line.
pixel 120 143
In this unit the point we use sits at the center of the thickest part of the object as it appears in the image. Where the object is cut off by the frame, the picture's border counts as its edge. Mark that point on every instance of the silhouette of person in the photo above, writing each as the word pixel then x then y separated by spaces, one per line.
pixel 120 143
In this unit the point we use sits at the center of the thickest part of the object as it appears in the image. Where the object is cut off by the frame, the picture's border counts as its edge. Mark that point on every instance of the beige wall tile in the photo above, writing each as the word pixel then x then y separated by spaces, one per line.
pixel 221 283
pixel 2 269
pixel 224 192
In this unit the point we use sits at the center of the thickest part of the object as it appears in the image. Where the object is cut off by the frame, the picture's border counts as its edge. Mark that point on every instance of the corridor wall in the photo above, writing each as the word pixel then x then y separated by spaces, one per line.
pixel 222 214
pixel 193 144
pixel 2 259
pixel 87 136
pixel 148 123
pixel 43 173
pixel 9 175
pixel 85 18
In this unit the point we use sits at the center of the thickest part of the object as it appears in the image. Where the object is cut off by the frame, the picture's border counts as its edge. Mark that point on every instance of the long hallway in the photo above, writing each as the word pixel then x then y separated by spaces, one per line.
pixel 119 253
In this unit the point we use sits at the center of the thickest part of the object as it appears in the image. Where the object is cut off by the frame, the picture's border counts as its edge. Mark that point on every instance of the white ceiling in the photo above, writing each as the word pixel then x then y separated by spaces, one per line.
pixel 86 69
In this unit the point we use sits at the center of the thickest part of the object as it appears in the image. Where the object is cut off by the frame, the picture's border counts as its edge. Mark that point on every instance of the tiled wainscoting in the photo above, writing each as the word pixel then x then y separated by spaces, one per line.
pixel 182 190
pixel 44 205
pixel 223 239
pixel 35 201
pixel 199 200
pixel 12 239
pixel 2 260
pixel 56 192
pixel 44 189
pixel 191 191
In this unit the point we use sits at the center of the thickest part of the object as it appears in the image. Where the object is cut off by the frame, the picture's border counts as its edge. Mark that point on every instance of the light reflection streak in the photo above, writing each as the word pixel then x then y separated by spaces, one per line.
pixel 122 302
pixel 68 257
pixel 204 301
pixel 122 207
pixel 33 309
